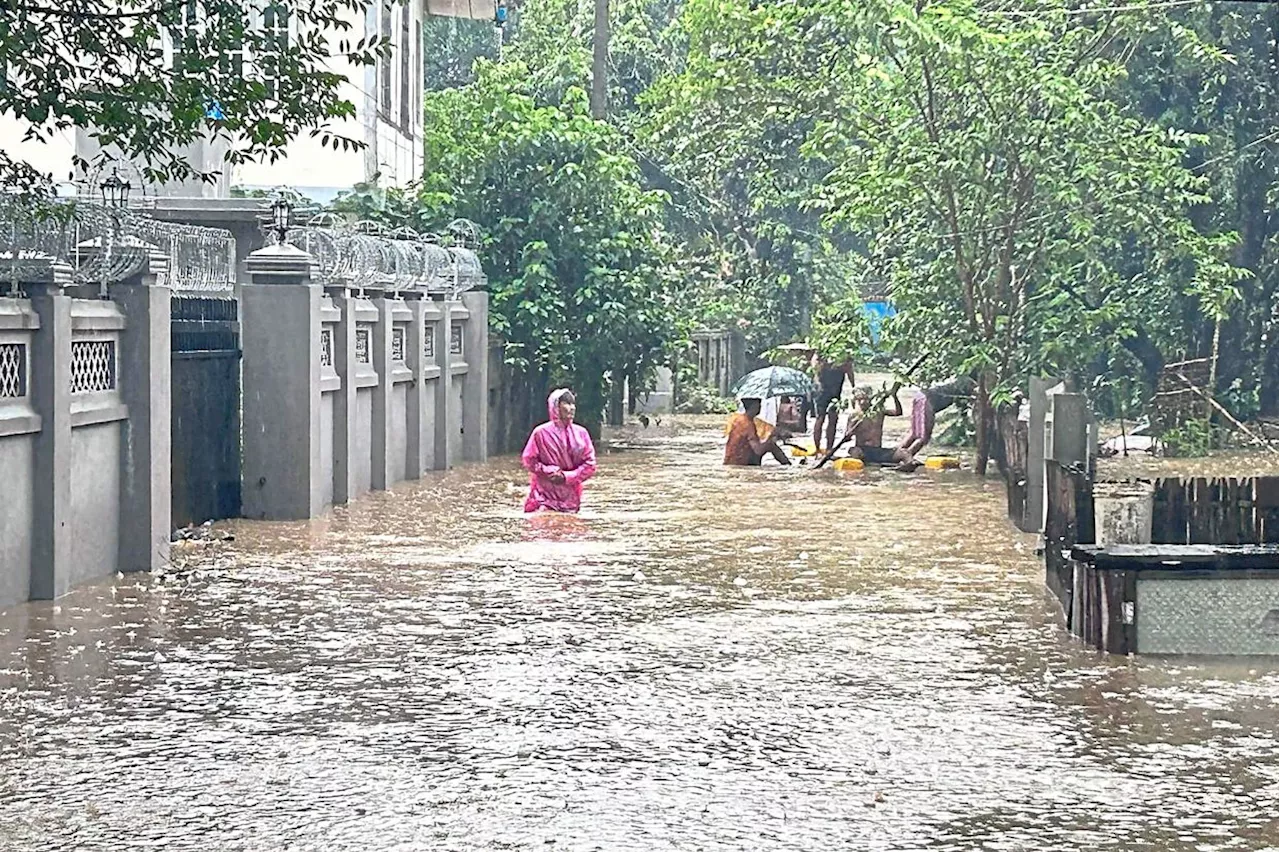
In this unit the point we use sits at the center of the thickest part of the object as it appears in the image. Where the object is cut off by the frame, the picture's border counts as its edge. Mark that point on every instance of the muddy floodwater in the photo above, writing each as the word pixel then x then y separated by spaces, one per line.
pixel 707 659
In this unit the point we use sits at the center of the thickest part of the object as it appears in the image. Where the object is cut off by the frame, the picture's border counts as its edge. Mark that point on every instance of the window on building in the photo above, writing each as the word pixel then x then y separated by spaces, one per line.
pixel 189 17
pixel 183 32
pixel 384 62
pixel 275 24
pixel 405 88
pixel 417 79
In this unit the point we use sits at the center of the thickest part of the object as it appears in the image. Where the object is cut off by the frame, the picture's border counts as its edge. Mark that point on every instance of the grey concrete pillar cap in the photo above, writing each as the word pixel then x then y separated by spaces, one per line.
pixel 47 271
pixel 283 260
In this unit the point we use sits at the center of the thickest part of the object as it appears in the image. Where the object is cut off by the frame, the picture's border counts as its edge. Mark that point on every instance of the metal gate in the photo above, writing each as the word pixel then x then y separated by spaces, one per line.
pixel 205 409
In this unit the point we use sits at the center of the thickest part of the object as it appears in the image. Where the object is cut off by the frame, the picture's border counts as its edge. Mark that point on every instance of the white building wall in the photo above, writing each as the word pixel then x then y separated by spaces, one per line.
pixel 53 157
pixel 393 155
pixel 393 138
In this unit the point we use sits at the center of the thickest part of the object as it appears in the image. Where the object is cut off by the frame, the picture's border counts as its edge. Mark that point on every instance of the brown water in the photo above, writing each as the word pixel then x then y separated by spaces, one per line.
pixel 707 659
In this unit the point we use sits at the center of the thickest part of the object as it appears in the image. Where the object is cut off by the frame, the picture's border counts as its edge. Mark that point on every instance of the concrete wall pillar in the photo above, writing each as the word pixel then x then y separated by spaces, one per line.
pixel 50 374
pixel 418 441
pixel 280 339
pixel 382 477
pixel 1068 436
pixel 146 388
pixel 475 397
pixel 344 402
pixel 444 386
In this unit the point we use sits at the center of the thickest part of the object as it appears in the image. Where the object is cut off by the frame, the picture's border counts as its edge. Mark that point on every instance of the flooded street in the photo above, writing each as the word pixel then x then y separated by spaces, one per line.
pixel 707 659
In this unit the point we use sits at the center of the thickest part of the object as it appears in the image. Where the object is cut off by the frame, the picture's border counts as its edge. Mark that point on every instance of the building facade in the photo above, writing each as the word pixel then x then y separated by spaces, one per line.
pixel 388 118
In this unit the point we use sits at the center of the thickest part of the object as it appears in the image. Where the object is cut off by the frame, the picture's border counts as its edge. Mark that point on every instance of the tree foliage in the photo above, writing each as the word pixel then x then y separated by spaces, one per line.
pixel 1024 215
pixel 729 152
pixel 1212 71
pixel 144 77
pixel 451 46
pixel 573 244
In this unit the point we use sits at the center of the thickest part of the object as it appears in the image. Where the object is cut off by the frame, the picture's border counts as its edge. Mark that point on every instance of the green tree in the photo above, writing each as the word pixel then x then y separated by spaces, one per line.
pixel 996 178
pixel 146 77
pixel 1220 83
pixel 725 141
pixel 451 46
pixel 574 246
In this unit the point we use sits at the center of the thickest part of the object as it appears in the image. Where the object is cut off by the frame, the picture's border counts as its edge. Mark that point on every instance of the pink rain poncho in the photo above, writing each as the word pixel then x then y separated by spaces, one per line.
pixel 556 447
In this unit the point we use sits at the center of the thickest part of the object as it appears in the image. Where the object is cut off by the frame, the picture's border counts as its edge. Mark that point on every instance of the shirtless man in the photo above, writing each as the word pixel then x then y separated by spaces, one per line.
pixel 868 434
pixel 830 379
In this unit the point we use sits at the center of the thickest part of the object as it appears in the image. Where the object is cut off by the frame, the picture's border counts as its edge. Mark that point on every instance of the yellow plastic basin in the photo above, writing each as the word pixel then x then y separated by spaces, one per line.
pixel 942 463
pixel 849 464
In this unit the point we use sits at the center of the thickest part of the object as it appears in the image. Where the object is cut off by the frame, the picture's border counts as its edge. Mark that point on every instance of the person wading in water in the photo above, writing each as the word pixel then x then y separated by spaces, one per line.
pixel 868 433
pixel 559 457
pixel 745 446
pixel 830 385
pixel 925 406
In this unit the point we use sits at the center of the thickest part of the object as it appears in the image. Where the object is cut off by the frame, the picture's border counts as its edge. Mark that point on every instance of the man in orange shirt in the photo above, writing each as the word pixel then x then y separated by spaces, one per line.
pixel 745 446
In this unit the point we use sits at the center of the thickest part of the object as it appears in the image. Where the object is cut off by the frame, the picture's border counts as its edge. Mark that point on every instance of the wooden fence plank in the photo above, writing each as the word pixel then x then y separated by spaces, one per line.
pixel 1249 532
pixel 1161 511
pixel 1197 503
pixel 1178 497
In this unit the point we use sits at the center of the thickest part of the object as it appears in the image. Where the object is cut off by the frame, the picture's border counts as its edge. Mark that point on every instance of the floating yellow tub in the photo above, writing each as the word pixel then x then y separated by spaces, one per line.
pixel 849 464
pixel 942 463
pixel 802 452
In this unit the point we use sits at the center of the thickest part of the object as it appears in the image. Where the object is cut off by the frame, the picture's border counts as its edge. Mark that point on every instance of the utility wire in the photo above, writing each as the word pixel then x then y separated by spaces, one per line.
pixel 1239 151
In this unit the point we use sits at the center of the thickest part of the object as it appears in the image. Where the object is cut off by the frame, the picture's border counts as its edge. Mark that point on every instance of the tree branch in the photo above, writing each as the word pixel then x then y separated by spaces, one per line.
pixel 84 15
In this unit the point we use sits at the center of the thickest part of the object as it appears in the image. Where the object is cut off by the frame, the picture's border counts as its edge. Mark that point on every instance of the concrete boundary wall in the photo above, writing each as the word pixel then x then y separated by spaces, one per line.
pixel 379 382
pixel 84 432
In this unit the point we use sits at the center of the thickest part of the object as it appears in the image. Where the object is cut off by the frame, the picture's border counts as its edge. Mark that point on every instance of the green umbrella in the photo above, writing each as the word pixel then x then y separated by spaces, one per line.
pixel 772 381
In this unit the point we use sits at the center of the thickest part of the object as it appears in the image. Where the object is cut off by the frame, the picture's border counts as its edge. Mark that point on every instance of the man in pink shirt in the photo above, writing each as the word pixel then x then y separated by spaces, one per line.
pixel 559 457
pixel 925 405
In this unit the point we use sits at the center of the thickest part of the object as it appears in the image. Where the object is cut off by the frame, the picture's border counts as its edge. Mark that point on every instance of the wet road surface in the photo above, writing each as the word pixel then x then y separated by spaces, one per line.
pixel 707 659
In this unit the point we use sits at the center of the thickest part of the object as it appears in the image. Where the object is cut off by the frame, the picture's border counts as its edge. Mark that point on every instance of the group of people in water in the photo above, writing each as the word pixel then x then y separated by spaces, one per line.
pixel 560 456
pixel 751 440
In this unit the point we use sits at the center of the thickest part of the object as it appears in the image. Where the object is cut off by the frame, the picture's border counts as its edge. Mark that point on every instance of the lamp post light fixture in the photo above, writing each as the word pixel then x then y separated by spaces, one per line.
pixel 281 213
pixel 115 197
pixel 115 191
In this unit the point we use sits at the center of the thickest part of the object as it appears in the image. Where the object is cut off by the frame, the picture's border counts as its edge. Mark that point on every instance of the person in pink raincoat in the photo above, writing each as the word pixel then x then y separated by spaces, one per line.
pixel 559 458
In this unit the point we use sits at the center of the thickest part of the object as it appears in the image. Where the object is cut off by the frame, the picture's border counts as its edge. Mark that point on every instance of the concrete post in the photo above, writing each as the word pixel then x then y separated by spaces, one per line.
pixel 444 387
pixel 1039 403
pixel 280 338
pixel 418 440
pixel 1068 440
pixel 146 388
pixel 344 402
pixel 381 478
pixel 50 376
pixel 475 398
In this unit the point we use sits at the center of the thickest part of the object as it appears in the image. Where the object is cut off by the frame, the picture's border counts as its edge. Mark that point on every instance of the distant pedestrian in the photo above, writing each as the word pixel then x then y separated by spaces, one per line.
pixel 559 457
pixel 746 445
pixel 925 405
pixel 830 379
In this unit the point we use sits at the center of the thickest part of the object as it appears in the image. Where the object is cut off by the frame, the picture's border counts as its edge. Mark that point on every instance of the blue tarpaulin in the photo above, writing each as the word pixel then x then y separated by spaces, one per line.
pixel 877 313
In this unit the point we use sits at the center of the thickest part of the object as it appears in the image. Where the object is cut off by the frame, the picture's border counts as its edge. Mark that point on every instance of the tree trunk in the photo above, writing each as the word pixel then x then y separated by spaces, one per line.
pixel 617 393
pixel 600 62
pixel 982 423
pixel 1012 449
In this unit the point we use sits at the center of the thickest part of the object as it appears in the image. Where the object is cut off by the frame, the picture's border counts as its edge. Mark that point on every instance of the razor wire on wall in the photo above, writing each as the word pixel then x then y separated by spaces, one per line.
pixel 102 245
pixel 364 255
